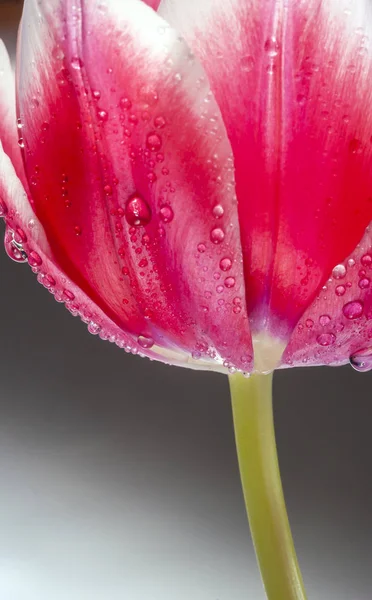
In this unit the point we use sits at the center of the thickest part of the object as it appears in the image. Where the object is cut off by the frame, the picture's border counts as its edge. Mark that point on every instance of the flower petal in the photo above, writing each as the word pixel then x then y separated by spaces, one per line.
pixel 292 80
pixel 131 175
pixel 8 123
pixel 338 325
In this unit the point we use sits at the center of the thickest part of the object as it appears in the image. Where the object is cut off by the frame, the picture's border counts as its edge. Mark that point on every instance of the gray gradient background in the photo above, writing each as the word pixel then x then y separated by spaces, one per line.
pixel 119 478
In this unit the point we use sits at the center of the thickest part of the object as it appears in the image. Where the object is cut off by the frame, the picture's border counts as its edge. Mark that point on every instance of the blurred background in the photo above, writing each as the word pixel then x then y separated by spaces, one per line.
pixel 119 478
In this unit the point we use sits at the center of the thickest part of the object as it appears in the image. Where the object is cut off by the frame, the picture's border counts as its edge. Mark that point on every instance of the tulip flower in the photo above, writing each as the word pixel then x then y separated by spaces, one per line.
pixel 194 179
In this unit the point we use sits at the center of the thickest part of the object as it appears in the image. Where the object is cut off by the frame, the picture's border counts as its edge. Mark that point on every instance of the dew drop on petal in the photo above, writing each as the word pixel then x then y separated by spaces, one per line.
pixel 145 341
pixel 353 310
pixel 202 248
pixel 339 272
pixel 364 283
pixel 340 290
pixel 366 260
pixel 137 211
pixel 34 259
pixel 217 235
pixel 229 282
pixel 166 213
pixel 159 122
pixel 362 360
pixel 225 264
pixel 102 115
pixel 324 320
pixel 218 211
pixel 153 142
pixel 326 339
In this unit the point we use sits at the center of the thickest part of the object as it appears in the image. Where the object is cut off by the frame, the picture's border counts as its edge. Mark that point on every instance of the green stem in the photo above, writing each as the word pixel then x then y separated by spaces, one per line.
pixel 262 487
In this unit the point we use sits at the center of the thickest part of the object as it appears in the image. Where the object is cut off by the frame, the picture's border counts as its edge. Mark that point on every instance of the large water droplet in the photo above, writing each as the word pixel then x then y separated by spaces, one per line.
pixel 153 142
pixel 34 259
pixel 166 213
pixel 145 341
pixel 217 235
pixel 326 339
pixel 218 211
pixel 362 360
pixel 137 211
pixel 225 264
pixel 366 260
pixel 339 272
pixel 353 310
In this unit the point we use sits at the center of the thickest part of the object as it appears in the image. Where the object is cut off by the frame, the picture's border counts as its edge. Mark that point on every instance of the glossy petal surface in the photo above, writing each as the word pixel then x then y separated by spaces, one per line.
pixel 131 175
pixel 8 122
pixel 292 80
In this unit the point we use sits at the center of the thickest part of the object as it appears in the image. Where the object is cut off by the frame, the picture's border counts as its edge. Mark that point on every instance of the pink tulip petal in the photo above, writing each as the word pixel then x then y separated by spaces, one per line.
pixel 338 324
pixel 132 175
pixel 31 246
pixel 293 82
pixel 8 121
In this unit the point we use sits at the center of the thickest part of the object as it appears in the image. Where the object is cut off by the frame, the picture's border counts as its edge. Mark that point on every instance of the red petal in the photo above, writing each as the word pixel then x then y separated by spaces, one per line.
pixel 132 177
pixel 292 81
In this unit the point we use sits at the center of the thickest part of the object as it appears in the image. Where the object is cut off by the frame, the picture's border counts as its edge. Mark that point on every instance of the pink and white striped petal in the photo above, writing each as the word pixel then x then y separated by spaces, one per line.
pixel 292 80
pixel 337 327
pixel 132 175
pixel 8 121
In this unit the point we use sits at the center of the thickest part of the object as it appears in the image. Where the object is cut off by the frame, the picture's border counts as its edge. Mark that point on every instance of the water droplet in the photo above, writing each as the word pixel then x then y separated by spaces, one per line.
pixel 324 320
pixel 77 230
pixel 202 248
pixel 217 235
pixel 94 328
pixel 13 251
pixel 351 262
pixel 153 142
pixel 229 282
pixel 96 94
pixel 271 46
pixel 225 264
pixel 362 360
pixel 102 115
pixel 339 272
pixel 247 63
pixel 108 190
pixel 67 295
pixel 218 211
pixel 159 122
pixel 353 309
pixel 326 339
pixel 219 289
pixel 34 260
pixel 21 142
pixel 145 341
pixel 125 103
pixel 364 283
pixel 340 290
pixel 366 260
pixel 76 63
pixel 166 213
pixel 309 323
pixel 137 211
